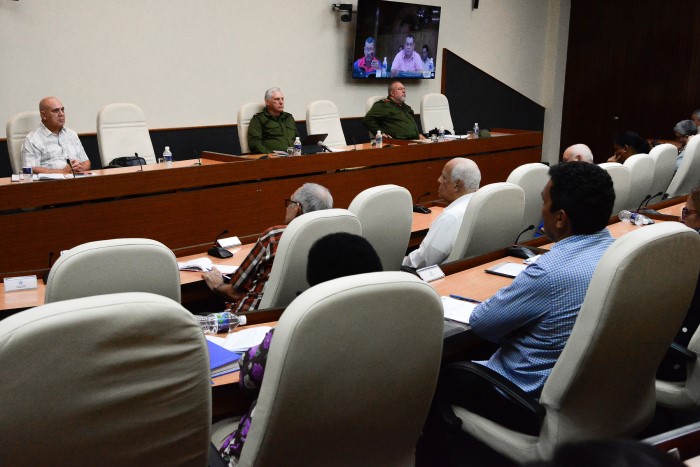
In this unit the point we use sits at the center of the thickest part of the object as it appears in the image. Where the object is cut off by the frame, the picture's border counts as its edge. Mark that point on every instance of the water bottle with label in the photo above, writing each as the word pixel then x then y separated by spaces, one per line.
pixel 476 130
pixel 441 134
pixel 431 68
pixel 634 218
pixel 297 147
pixel 378 139
pixel 168 157
pixel 26 174
pixel 384 68
pixel 217 323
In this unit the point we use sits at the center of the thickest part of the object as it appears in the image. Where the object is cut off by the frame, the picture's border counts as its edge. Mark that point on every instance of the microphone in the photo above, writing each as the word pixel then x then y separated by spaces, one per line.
pixel 354 143
pixel 324 146
pixel 71 166
pixel 199 159
pixel 139 160
pixel 421 209
pixel 645 200
pixel 660 193
pixel 651 211
pixel 217 251
pixel 521 251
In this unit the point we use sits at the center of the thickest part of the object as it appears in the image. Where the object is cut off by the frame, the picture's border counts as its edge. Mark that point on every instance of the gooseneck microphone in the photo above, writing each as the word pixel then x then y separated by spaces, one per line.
pixel 139 160
pixel 324 146
pixel 71 166
pixel 421 209
pixel 217 251
pixel 660 193
pixel 521 251
pixel 645 200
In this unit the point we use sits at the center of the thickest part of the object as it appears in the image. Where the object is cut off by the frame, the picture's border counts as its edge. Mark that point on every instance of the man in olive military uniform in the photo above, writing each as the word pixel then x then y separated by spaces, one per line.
pixel 392 115
pixel 273 129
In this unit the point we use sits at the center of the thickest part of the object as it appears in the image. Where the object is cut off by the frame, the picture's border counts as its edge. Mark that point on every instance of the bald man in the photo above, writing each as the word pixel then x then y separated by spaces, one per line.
pixel 459 180
pixel 578 152
pixel 49 148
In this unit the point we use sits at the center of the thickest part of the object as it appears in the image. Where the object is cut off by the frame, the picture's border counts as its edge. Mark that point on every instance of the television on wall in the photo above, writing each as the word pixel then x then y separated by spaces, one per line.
pixel 395 40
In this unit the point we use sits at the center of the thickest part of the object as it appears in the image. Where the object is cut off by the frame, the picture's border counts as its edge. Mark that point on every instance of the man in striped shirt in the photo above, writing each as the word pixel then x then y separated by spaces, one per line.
pixel 53 148
pixel 244 289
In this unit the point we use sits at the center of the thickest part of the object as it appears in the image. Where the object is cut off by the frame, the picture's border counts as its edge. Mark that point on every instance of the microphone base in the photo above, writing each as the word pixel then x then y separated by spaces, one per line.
pixel 520 252
pixel 421 209
pixel 219 252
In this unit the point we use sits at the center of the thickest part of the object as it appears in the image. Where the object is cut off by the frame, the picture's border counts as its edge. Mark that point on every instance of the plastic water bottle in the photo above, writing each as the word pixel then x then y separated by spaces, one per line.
pixel 384 68
pixel 634 217
pixel 431 68
pixel 441 134
pixel 168 157
pixel 26 174
pixel 476 130
pixel 297 147
pixel 378 139
pixel 216 323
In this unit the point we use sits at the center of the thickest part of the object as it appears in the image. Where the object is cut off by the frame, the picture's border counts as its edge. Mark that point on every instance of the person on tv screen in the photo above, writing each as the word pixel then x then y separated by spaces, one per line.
pixel 407 63
pixel 425 56
pixel 368 64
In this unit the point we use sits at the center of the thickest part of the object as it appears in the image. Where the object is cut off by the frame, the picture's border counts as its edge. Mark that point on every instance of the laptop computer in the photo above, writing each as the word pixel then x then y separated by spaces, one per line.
pixel 310 143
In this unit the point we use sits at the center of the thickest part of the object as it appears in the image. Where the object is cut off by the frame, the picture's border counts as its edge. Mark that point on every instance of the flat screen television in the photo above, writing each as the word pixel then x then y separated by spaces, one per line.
pixel 405 35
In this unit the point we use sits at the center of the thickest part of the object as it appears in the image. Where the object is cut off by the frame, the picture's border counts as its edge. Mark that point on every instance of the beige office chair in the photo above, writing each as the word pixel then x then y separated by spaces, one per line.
pixel 435 113
pixel 113 266
pixel 664 156
pixel 602 385
pixel 337 392
pixel 288 274
pixel 687 176
pixel 322 117
pixel 122 132
pixel 18 127
pixel 386 214
pixel 118 379
pixel 622 180
pixel 492 220
pixel 683 395
pixel 371 100
pixel 245 113
pixel 641 167
pixel 531 178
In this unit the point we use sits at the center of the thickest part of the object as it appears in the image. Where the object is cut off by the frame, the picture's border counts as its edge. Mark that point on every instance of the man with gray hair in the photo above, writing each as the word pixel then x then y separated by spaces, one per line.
pixel 578 152
pixel 683 131
pixel 273 129
pixel 244 289
pixel 459 180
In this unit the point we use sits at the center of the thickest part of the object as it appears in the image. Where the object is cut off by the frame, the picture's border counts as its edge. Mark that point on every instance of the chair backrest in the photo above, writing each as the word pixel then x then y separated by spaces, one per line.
pixel 288 274
pixel 641 167
pixel 122 132
pixel 18 127
pixel 371 100
pixel 386 214
pixel 531 178
pixel 602 385
pixel 435 113
pixel 491 221
pixel 119 379
pixel 622 180
pixel 687 176
pixel 664 156
pixel 323 117
pixel 245 113
pixel 114 266
pixel 335 391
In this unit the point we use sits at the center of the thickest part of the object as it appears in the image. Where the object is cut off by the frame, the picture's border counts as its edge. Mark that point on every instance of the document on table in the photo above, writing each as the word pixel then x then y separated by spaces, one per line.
pixel 242 340
pixel 204 264
pixel 507 269
pixel 457 310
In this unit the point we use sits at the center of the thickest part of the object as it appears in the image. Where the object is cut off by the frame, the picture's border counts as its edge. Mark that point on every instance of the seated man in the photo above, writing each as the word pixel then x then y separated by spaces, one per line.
pixel 533 317
pixel 683 131
pixel 368 64
pixel 245 288
pixel 577 152
pixel 48 148
pixel 273 129
pixel 392 115
pixel 459 180
pixel 407 62
pixel 331 257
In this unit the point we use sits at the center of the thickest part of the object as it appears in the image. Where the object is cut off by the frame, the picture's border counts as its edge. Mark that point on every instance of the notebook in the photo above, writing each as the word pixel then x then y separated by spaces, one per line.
pixel 221 360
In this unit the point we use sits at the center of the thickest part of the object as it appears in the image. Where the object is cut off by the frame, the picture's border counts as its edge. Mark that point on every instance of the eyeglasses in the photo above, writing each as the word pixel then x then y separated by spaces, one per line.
pixel 288 201
pixel 685 212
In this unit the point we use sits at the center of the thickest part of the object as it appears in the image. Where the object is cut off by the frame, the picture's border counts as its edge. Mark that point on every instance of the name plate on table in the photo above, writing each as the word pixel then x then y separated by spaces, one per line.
pixel 13 284
pixel 228 242
pixel 431 273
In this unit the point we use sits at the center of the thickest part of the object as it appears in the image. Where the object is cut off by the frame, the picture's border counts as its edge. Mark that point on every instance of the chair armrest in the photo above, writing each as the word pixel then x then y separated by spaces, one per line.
pixel 684 352
pixel 509 389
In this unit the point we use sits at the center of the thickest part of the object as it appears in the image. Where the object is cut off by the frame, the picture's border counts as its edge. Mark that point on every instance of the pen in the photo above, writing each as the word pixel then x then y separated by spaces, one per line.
pixel 465 299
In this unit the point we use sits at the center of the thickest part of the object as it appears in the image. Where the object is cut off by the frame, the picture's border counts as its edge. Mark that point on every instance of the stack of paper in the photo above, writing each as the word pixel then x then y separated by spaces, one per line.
pixel 242 340
pixel 221 360
pixel 457 310
pixel 204 264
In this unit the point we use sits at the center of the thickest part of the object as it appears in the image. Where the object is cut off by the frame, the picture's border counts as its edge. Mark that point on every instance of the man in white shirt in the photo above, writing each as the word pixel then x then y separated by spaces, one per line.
pixel 49 148
pixel 459 180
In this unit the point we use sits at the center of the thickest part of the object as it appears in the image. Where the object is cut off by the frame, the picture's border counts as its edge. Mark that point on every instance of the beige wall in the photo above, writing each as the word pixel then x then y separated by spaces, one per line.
pixel 193 63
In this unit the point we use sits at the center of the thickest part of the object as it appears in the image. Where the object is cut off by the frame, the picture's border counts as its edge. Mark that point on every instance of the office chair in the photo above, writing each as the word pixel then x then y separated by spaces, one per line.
pixel 118 379
pixel 532 178
pixel 18 127
pixel 385 213
pixel 622 179
pixel 602 385
pixel 288 275
pixel 492 220
pixel 687 176
pixel 322 117
pixel 435 113
pixel 341 384
pixel 370 102
pixel 683 395
pixel 113 266
pixel 664 156
pixel 641 167
pixel 245 113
